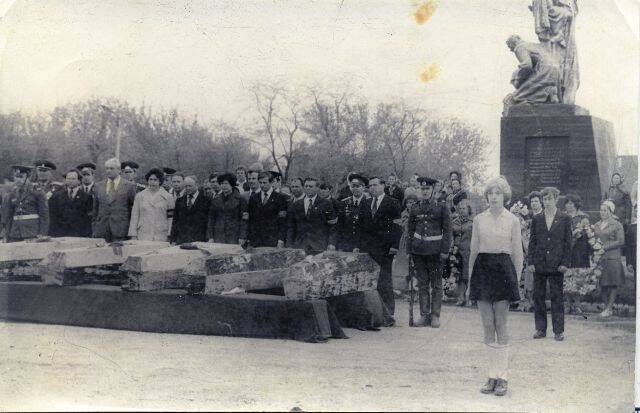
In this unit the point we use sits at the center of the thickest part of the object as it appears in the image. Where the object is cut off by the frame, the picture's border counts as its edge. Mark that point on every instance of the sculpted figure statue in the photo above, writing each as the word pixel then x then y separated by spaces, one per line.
pixel 537 78
pixel 554 25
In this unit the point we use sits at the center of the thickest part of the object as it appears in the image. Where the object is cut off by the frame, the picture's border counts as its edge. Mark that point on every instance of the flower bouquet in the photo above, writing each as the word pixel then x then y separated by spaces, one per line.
pixel 579 282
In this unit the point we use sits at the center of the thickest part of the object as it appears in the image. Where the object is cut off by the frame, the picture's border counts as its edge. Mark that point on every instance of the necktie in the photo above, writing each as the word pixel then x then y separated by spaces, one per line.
pixel 264 198
pixel 189 200
pixel 110 186
pixel 356 203
pixel 70 193
pixel 374 208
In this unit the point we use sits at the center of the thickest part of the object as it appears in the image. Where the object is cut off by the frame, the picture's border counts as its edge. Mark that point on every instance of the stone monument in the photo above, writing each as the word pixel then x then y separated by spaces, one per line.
pixel 546 140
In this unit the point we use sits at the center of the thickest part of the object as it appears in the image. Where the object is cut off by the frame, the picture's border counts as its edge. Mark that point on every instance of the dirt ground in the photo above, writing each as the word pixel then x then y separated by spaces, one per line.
pixel 49 367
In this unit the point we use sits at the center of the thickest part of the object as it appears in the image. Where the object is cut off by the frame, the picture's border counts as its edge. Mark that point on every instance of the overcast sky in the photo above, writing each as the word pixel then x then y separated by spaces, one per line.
pixel 201 56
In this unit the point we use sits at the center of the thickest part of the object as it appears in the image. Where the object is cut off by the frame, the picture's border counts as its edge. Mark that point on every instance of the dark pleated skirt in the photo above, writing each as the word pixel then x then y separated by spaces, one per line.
pixel 494 279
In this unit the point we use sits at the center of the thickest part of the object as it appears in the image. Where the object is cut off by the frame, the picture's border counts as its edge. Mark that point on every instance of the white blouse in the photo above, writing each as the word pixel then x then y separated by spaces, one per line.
pixel 495 235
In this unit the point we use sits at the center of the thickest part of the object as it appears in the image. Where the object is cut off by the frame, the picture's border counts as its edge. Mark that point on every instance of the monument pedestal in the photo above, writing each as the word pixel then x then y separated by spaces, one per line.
pixel 557 145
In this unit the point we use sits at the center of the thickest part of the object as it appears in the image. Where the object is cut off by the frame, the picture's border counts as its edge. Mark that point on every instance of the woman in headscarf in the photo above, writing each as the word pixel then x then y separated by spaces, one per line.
pixel 620 198
pixel 609 231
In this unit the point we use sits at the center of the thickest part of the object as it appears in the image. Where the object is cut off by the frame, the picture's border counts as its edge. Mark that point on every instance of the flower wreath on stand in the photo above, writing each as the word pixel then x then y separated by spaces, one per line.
pixel 579 282
pixel 452 272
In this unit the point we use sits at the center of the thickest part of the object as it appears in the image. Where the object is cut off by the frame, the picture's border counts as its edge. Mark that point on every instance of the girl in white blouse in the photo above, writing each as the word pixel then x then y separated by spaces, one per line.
pixel 496 261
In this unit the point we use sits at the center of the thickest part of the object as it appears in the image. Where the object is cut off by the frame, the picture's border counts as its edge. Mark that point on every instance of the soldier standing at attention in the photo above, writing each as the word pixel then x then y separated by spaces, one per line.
pixel 354 217
pixel 88 171
pixel 428 241
pixel 25 213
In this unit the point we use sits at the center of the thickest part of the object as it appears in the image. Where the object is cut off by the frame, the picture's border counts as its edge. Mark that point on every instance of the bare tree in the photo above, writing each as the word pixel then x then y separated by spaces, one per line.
pixel 280 119
pixel 399 127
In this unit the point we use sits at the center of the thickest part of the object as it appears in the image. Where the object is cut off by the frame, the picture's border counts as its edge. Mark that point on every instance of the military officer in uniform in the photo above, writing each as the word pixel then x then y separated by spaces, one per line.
pixel 130 172
pixel 44 181
pixel 428 242
pixel 354 217
pixel 25 213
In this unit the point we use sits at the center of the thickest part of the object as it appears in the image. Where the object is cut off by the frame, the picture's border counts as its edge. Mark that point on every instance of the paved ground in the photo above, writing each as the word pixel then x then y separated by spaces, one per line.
pixel 47 367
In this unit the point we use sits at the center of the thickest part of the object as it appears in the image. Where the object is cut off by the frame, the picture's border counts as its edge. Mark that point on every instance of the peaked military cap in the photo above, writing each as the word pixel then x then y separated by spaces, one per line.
pixel 425 181
pixel 89 165
pixel 357 177
pixel 21 169
pixel 45 165
pixel 129 164
pixel 168 171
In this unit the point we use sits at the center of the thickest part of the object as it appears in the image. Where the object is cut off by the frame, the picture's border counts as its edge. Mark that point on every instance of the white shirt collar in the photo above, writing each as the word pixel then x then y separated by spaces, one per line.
pixel 268 192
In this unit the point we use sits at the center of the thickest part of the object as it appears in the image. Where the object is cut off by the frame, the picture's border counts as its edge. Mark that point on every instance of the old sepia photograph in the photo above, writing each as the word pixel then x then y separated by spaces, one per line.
pixel 319 205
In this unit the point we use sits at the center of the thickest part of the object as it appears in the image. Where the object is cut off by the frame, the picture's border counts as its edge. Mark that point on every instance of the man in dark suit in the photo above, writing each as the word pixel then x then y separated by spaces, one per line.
pixel 87 172
pixel 354 217
pixel 70 209
pixel 112 202
pixel 311 221
pixel 267 215
pixel 383 239
pixel 392 189
pixel 191 215
pixel 550 257
pixel 428 242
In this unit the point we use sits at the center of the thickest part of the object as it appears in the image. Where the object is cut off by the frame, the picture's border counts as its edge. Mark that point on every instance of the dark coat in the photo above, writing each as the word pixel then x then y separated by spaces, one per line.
pixel 70 217
pixel 227 218
pixel 111 214
pixel 396 193
pixel 429 228
pixel 549 249
pixel 383 233
pixel 311 232
pixel 268 222
pixel 354 224
pixel 26 200
pixel 190 224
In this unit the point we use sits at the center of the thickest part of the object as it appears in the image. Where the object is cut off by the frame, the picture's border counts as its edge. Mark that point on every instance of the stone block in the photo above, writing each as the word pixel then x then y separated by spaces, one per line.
pixel 63 267
pixel 162 269
pixel 248 281
pixel 253 260
pixel 331 274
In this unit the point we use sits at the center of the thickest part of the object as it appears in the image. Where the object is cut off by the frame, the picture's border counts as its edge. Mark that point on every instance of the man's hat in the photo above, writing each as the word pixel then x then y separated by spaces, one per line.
pixel 425 181
pixel 89 165
pixel 44 165
pixel 21 169
pixel 361 179
pixel 129 164
pixel 168 171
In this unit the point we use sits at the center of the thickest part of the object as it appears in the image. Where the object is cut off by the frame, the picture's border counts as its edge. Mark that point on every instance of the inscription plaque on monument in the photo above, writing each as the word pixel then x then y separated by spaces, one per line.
pixel 546 162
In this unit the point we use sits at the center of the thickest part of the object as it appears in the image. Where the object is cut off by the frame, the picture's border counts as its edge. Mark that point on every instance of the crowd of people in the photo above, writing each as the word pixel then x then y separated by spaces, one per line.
pixel 425 230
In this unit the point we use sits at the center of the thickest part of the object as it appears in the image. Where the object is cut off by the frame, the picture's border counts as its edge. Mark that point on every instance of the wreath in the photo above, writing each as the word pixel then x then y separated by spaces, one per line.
pixel 452 272
pixel 582 281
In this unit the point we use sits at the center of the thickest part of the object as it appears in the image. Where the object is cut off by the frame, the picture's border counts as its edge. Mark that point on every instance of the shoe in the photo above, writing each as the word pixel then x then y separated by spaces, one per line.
pixel 435 322
pixel 425 321
pixel 539 334
pixel 489 386
pixel 389 322
pixel 559 337
pixel 501 387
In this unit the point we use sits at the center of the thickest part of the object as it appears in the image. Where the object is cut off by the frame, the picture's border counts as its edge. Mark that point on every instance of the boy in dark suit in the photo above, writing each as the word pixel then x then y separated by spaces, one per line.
pixel 549 257
pixel 383 239
pixel 311 221
pixel 267 215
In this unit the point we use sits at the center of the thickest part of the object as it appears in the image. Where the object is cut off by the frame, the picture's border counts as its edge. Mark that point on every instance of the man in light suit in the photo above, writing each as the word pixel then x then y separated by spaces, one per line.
pixel 112 202
pixel 550 257
pixel 311 221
